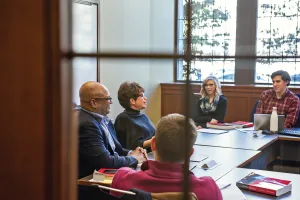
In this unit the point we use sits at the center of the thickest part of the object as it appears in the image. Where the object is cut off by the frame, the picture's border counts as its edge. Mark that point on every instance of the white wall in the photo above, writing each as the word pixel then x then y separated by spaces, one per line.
pixel 137 26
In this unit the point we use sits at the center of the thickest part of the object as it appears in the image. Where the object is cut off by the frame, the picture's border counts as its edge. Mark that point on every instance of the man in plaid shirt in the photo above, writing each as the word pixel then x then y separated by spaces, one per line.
pixel 280 96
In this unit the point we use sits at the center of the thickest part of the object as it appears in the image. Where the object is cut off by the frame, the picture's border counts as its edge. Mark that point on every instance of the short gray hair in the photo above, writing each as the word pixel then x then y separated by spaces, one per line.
pixel 170 137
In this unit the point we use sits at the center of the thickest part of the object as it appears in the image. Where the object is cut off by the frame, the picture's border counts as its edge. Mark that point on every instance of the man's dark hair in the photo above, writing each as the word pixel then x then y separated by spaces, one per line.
pixel 127 91
pixel 284 76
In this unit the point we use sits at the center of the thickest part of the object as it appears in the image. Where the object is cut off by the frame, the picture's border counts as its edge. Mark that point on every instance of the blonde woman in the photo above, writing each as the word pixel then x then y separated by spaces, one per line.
pixel 212 105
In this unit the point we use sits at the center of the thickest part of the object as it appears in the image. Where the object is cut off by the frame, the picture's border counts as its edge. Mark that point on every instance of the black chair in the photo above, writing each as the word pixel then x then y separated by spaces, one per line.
pixel 98 194
pixel 193 104
pixel 297 125
pixel 95 193
pixel 286 162
pixel 253 111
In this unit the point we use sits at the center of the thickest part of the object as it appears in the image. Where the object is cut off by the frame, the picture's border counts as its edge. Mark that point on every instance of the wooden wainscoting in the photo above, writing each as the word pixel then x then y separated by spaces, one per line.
pixel 240 99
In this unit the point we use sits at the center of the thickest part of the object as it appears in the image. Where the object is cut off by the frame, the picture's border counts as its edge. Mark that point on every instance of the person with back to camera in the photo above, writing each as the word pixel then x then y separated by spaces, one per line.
pixel 134 129
pixel 165 172
pixel 280 96
pixel 212 105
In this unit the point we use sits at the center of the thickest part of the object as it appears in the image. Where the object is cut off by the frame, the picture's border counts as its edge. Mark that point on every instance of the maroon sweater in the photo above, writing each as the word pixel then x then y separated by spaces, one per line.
pixel 158 177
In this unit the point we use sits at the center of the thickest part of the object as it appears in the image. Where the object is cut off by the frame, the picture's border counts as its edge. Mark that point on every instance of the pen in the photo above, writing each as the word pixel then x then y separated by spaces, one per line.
pixel 193 167
pixel 225 186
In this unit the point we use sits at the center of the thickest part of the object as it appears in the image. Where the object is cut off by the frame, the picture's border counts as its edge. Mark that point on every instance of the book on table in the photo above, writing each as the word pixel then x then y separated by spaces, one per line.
pixel 104 175
pixel 242 124
pixel 229 126
pixel 222 126
pixel 266 185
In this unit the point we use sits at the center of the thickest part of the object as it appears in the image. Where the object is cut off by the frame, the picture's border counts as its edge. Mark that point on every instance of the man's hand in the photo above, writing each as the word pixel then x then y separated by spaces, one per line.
pixel 199 127
pixel 140 154
pixel 213 121
pixel 147 143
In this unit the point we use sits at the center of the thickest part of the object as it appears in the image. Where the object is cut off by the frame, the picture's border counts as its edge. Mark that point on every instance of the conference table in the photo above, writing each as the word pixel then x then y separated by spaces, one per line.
pixel 227 159
pixel 232 150
pixel 236 139
pixel 288 138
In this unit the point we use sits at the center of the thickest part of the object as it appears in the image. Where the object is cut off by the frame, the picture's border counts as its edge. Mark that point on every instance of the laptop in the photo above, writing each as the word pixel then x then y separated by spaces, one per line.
pixel 262 122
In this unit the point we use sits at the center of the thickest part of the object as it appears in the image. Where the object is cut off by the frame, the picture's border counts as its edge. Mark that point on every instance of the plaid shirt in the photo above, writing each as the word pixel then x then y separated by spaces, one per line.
pixel 288 105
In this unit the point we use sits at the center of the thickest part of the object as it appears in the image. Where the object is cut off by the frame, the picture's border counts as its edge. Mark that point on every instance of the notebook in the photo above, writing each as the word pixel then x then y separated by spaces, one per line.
pixel 262 122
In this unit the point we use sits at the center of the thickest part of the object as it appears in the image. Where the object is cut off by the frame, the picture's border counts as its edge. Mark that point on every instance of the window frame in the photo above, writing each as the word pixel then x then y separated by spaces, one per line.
pixel 246 35
pixel 97 4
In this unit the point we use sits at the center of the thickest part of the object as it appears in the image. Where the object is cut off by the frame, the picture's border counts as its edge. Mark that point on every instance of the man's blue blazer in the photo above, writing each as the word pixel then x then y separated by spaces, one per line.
pixel 94 149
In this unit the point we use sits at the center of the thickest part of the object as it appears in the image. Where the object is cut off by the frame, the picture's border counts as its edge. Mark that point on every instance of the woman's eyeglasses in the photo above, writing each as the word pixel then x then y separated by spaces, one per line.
pixel 141 95
pixel 208 85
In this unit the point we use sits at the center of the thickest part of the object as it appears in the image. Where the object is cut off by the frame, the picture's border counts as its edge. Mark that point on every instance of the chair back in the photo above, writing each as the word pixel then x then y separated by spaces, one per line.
pixel 95 193
pixel 297 125
pixel 194 97
pixel 253 112
pixel 172 196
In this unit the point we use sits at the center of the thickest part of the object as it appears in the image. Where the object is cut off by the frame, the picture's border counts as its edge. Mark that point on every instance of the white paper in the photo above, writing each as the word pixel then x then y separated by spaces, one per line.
pixel 197 157
pixel 232 193
pixel 214 131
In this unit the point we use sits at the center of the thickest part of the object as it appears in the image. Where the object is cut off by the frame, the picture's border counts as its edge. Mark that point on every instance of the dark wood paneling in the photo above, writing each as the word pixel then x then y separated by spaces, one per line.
pixel 241 99
pixel 33 146
pixel 23 100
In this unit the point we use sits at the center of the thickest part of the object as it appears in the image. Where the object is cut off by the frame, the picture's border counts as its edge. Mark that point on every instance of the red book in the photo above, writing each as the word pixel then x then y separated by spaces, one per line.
pixel 242 124
pixel 107 171
pixel 258 183
pixel 104 175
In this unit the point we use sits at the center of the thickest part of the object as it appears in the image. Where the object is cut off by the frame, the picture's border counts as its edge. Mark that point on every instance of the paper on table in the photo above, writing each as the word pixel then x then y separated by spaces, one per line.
pixel 197 158
pixel 214 131
pixel 248 129
pixel 208 168
pixel 251 132
pixel 105 181
pixel 233 192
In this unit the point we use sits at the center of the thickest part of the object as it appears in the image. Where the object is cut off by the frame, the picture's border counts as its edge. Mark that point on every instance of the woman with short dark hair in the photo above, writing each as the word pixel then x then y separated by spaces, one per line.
pixel 133 128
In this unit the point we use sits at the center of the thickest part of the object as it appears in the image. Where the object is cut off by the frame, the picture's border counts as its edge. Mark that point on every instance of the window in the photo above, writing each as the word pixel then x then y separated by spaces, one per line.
pixel 256 28
pixel 277 35
pixel 85 40
pixel 213 34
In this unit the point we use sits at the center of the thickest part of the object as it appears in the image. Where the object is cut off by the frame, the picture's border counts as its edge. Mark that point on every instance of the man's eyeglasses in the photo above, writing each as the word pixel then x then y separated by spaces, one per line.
pixel 106 99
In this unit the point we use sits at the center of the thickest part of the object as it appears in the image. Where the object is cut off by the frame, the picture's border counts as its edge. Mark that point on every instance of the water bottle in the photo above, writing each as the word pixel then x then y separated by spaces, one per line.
pixel 274 121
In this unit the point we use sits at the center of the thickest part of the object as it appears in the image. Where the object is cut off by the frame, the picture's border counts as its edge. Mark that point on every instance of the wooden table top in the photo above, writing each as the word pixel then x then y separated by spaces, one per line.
pixel 239 173
pixel 235 139
pixel 288 138
pixel 226 157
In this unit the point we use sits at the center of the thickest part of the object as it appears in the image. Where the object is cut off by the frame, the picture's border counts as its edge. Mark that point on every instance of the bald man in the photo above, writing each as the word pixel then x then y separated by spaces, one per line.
pixel 98 145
